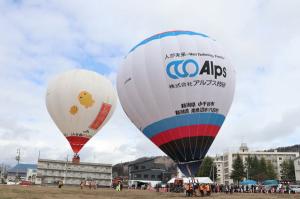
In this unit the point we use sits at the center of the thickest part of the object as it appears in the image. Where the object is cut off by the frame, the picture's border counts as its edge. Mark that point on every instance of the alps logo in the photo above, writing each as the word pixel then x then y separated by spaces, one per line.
pixel 189 68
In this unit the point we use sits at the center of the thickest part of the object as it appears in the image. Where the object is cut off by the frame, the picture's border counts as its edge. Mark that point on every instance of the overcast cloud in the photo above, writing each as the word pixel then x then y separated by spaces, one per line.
pixel 39 39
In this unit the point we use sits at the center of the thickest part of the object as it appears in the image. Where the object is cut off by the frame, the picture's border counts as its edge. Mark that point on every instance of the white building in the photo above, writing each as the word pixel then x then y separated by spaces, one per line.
pixel 52 171
pixel 220 170
pixel 297 169
pixel 224 162
pixel 31 175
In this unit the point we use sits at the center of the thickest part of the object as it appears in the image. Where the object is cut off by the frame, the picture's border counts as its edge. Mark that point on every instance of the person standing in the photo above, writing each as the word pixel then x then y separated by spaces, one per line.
pixel 208 189
pixel 82 184
pixel 118 187
pixel 121 185
pixel 60 184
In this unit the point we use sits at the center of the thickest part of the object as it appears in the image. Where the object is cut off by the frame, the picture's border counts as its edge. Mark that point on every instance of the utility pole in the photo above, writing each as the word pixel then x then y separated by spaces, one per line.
pixel 2 173
pixel 18 158
pixel 213 174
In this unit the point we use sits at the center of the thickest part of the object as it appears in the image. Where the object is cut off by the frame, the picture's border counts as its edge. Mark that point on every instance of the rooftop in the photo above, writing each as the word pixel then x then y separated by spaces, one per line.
pixel 70 162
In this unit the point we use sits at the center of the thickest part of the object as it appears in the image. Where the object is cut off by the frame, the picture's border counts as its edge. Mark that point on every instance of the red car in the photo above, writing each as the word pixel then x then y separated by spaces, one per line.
pixel 25 182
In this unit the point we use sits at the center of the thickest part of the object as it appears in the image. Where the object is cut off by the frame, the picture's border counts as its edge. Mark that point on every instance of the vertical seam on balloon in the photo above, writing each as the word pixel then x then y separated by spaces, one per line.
pixel 181 141
pixel 150 91
pixel 137 93
pixel 166 149
pixel 131 108
pixel 185 101
pixel 202 140
pixel 67 84
pixel 171 147
pixel 209 118
pixel 198 119
pixel 136 113
pixel 79 118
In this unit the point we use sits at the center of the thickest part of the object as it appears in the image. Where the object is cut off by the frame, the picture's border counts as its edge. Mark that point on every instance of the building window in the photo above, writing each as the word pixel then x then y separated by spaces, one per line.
pixel 143 167
pixel 136 167
pixel 159 177
pixel 152 176
pixel 146 176
pixel 280 158
pixel 137 175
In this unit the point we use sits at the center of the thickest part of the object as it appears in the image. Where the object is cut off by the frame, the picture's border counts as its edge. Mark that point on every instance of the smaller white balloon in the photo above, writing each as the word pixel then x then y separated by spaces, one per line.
pixel 80 102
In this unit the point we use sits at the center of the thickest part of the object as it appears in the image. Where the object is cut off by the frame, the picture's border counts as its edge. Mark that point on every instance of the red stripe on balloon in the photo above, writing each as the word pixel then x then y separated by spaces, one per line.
pixel 104 110
pixel 185 132
pixel 77 142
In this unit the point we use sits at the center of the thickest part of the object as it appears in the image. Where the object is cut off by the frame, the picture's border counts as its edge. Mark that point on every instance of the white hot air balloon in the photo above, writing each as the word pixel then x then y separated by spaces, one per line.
pixel 177 88
pixel 80 102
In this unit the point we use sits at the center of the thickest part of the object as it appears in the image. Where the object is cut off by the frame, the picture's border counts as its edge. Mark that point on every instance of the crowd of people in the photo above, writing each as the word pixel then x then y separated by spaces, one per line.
pixel 91 184
pixel 191 189
pixel 195 189
pixel 200 189
pixel 230 189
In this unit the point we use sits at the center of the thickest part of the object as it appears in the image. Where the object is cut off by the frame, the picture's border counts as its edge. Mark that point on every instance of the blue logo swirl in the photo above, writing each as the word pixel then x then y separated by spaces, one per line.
pixel 181 64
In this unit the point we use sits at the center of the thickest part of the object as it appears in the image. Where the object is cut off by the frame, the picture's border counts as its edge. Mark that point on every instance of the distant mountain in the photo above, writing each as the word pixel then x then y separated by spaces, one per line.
pixel 294 148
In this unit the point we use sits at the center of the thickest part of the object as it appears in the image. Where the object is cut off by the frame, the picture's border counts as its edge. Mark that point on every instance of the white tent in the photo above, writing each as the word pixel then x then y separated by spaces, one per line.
pixel 152 183
pixel 201 180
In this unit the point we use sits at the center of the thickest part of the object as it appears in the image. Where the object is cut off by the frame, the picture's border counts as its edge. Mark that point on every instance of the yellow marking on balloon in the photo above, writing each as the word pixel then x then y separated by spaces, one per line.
pixel 86 99
pixel 73 110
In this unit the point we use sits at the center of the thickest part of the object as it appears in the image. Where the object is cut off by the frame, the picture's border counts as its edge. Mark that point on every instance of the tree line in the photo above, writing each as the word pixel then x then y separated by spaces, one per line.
pixel 253 168
pixel 260 169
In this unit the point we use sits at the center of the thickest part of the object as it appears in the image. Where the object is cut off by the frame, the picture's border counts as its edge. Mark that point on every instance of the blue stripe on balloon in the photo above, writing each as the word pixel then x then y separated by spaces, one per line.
pixel 183 120
pixel 167 34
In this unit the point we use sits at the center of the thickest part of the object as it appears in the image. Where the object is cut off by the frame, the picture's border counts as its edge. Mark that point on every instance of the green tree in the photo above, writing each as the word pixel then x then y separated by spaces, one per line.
pixel 262 170
pixel 255 169
pixel 249 167
pixel 270 173
pixel 288 170
pixel 208 168
pixel 238 172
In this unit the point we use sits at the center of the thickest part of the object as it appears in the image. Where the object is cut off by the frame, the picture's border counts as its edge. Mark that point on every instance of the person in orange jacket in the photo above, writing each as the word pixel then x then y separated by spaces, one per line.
pixel 207 188
pixel 201 189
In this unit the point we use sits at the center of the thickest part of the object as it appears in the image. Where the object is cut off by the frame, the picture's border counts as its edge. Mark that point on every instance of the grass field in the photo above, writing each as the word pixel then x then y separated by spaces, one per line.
pixel 36 192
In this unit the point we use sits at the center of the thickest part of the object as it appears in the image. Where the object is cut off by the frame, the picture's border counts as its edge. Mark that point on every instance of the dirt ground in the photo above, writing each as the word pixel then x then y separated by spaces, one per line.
pixel 37 192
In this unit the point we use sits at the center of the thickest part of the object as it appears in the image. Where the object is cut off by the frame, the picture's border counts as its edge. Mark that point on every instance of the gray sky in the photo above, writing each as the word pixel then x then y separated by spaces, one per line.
pixel 39 39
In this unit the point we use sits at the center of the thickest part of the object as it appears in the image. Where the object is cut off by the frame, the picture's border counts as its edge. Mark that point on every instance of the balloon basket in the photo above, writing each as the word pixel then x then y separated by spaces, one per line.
pixel 76 159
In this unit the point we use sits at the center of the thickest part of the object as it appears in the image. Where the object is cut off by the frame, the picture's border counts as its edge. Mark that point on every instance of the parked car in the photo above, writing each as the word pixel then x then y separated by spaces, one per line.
pixel 295 188
pixel 12 182
pixel 25 182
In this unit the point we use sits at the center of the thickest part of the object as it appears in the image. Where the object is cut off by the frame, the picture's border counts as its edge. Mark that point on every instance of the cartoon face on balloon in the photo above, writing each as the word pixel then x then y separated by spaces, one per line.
pixel 85 99
pixel 80 102
pixel 73 110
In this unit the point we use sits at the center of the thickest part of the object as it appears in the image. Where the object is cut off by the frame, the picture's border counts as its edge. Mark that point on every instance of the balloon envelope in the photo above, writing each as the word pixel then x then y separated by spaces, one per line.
pixel 80 102
pixel 177 88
